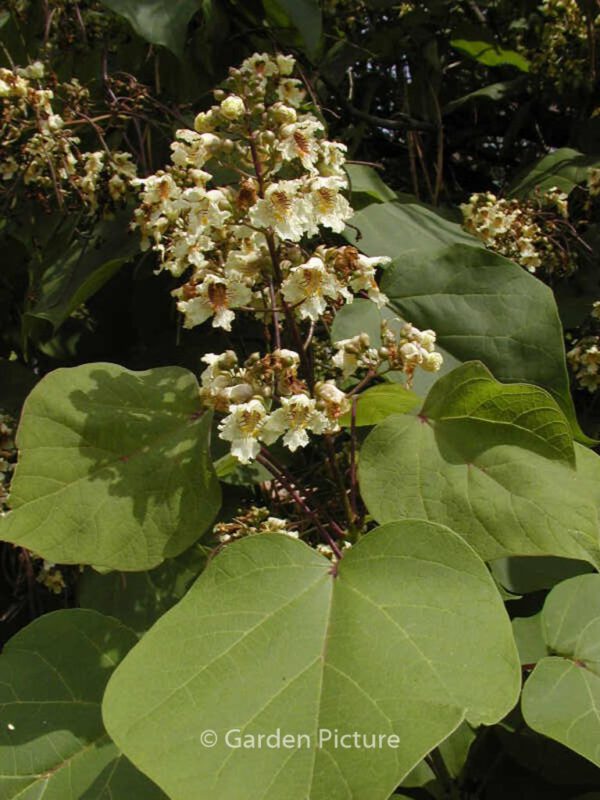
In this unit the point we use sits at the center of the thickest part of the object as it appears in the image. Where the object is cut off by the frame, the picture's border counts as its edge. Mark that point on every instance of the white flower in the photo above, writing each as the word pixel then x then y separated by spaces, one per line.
pixel 329 207
pixel 285 64
pixel 416 349
pixel 297 140
pixel 432 362
pixel 309 285
pixel 284 209
pixel 193 149
pixel 354 353
pixel 55 122
pixel 35 70
pixel 261 64
pixel 327 550
pixel 332 159
pixel 249 256
pixel 233 107
pixel 297 415
pixel 362 276
pixel 290 91
pixel 288 358
pixel 333 402
pixel 214 296
pixel 243 427
pixel 278 525
pixel 222 383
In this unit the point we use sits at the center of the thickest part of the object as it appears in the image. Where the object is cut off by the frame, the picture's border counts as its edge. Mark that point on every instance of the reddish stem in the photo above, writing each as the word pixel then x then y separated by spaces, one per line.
pixel 299 500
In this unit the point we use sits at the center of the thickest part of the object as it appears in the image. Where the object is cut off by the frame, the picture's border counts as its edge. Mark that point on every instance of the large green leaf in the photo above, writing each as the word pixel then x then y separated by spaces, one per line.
pixel 409 638
pixel 561 698
pixel 483 307
pixel 501 486
pixel 114 467
pixel 378 402
pixel 400 229
pixel 565 168
pixel 156 21
pixel 470 392
pixel 479 44
pixel 138 599
pixel 366 181
pixel 529 638
pixel 52 740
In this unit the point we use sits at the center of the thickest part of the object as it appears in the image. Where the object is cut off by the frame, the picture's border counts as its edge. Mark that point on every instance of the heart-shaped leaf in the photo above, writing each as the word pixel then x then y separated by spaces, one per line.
pixel 483 307
pixel 500 483
pixel 409 638
pixel 561 698
pixel 114 467
pixel 52 740
pixel 378 402
pixel 470 392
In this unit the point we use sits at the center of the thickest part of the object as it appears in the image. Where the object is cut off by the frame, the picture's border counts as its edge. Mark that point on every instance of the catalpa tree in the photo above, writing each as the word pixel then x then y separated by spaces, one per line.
pixel 300 363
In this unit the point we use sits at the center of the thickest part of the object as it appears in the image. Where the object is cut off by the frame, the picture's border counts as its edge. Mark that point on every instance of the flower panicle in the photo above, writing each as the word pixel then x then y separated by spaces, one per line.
pixel 255 245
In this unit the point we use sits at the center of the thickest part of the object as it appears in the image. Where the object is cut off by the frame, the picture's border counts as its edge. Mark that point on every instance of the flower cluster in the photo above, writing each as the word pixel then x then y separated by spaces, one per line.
pixel 287 182
pixel 561 57
pixel 249 246
pixel 249 393
pixel 593 181
pixel 50 576
pixel 399 352
pixel 254 520
pixel 40 149
pixel 327 550
pixel 584 360
pixel 535 233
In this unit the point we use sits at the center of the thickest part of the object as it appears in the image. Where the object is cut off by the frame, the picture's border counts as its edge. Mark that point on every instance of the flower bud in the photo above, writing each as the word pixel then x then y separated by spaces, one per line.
pixel 203 122
pixel 285 64
pixel 240 393
pixel 219 95
pixel 283 115
pixel 55 122
pixel 233 107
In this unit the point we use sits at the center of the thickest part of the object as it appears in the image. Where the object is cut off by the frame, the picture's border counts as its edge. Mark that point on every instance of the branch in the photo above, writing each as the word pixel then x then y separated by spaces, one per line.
pixel 400 122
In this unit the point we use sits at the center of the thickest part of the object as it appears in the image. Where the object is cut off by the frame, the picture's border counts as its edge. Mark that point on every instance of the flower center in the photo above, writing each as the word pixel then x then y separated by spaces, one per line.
pixel 302 144
pixel 281 204
pixel 250 422
pixel 325 199
pixel 298 416
pixel 312 281
pixel 217 295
